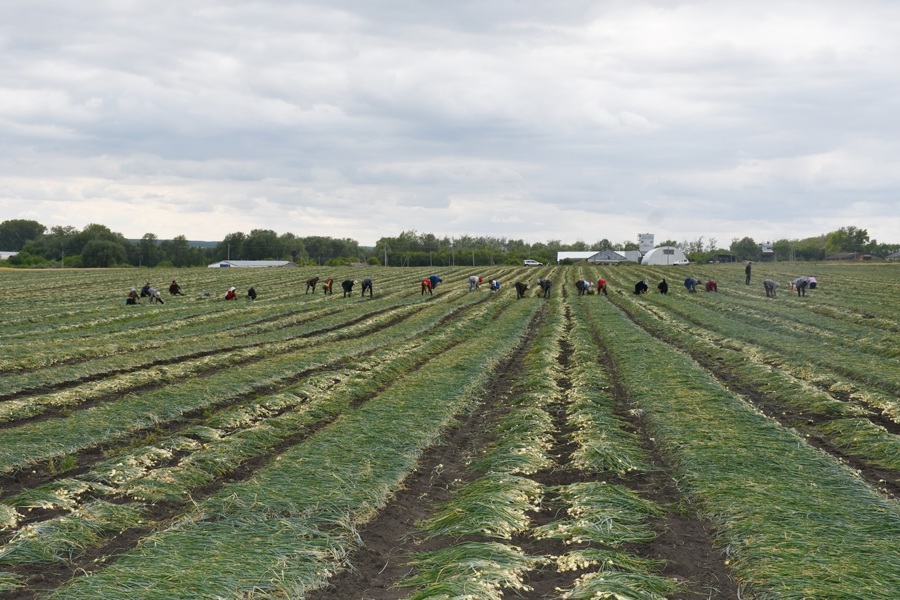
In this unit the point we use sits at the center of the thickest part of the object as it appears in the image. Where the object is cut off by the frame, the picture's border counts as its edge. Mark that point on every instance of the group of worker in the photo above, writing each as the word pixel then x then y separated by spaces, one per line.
pixel 430 283
pixel 346 286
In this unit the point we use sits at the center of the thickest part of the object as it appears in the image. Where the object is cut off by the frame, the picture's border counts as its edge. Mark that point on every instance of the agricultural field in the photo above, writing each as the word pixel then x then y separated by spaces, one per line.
pixel 460 445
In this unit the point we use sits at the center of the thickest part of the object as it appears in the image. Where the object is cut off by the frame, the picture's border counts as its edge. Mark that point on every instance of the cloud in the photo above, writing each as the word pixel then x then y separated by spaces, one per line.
pixel 571 120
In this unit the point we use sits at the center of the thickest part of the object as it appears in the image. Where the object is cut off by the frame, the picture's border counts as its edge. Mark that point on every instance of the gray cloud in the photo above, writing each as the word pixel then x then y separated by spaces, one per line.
pixel 570 120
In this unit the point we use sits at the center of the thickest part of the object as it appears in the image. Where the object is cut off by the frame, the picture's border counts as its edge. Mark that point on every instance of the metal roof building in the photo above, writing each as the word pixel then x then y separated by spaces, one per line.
pixel 252 263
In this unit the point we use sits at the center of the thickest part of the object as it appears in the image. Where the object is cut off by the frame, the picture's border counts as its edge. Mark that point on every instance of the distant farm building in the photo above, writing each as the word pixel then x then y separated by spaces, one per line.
pixel 575 256
pixel 893 256
pixel 767 251
pixel 596 257
pixel 851 256
pixel 645 242
pixel 607 257
pixel 252 263
pixel 665 255
pixel 723 258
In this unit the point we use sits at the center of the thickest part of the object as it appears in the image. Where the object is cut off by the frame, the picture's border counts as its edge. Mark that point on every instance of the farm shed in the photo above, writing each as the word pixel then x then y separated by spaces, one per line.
pixel 252 263
pixel 893 256
pixel 607 257
pixel 574 256
pixel 665 255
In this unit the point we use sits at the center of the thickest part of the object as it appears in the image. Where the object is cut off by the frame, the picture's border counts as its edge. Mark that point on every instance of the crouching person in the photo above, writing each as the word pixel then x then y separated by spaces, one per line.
pixel 521 288
pixel 347 286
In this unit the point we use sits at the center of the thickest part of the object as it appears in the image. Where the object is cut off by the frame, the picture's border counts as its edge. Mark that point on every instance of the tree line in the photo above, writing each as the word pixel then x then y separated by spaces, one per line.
pixel 98 246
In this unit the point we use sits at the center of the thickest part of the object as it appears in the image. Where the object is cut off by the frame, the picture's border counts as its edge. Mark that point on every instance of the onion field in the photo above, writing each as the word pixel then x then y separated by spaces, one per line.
pixel 464 444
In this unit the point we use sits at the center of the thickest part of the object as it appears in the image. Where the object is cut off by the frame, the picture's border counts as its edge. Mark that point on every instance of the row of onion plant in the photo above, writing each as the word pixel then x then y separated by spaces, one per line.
pixel 229 439
pixel 290 526
pixel 847 426
pixel 796 523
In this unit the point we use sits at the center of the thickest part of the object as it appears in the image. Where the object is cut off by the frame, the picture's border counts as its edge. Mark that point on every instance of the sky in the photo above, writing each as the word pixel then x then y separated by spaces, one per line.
pixel 568 120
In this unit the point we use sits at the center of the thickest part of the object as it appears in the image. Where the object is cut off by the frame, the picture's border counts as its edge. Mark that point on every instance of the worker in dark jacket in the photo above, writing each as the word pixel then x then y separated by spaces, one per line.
pixel 435 280
pixel 367 285
pixel 662 287
pixel 641 287
pixel 582 286
pixel 311 284
pixel 175 289
pixel 347 286
pixel 521 288
pixel 545 285
pixel 251 293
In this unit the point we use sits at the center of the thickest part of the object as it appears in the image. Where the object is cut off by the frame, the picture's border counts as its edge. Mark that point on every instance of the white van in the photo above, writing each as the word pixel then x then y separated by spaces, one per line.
pixel 532 263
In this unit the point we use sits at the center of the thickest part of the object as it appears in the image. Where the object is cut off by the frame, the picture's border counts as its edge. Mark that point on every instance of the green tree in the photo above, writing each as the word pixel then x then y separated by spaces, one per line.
pixel 179 252
pixel 149 251
pixel 99 253
pixel 261 244
pixel 846 239
pixel 745 249
pixel 14 234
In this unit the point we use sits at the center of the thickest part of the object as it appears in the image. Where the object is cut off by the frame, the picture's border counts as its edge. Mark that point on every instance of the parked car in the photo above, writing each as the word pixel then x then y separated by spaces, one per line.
pixel 682 261
pixel 532 263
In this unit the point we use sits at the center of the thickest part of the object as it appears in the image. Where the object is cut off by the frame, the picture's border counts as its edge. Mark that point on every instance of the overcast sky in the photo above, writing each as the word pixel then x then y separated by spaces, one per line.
pixel 535 120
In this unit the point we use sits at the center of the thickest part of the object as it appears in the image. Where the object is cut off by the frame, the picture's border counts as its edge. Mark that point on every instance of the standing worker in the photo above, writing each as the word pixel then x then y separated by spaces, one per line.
pixel 367 285
pixel 747 272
